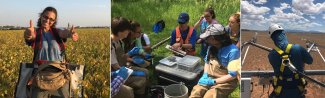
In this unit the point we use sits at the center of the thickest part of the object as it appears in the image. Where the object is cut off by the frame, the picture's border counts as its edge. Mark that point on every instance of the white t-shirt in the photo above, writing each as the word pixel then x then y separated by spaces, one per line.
pixel 146 39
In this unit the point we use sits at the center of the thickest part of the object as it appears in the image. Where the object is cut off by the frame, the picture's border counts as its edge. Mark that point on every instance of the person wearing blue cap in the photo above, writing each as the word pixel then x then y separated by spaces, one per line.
pixel 287 83
pixel 184 36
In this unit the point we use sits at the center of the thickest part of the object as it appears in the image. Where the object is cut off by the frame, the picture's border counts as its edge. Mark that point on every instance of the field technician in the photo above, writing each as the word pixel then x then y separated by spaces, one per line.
pixel 286 83
pixel 219 77
pixel 137 81
pixel 184 36
pixel 48 43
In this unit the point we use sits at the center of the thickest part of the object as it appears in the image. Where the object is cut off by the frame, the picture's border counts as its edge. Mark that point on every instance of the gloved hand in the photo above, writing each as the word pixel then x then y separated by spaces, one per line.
pixel 114 73
pixel 205 75
pixel 205 80
pixel 148 56
pixel 122 72
pixel 138 60
pixel 138 73
pixel 134 51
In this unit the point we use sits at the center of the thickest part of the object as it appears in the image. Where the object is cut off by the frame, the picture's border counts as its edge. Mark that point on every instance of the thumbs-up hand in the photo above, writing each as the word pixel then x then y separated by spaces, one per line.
pixel 29 33
pixel 74 35
pixel 67 33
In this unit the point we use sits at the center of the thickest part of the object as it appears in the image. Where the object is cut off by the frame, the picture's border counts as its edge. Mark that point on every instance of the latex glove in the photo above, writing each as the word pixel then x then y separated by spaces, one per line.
pixel 122 72
pixel 114 73
pixel 134 51
pixel 206 81
pixel 205 75
pixel 138 73
pixel 148 56
pixel 138 60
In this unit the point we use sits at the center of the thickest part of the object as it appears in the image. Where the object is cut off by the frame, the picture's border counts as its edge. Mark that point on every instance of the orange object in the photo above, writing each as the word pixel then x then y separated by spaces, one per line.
pixel 179 39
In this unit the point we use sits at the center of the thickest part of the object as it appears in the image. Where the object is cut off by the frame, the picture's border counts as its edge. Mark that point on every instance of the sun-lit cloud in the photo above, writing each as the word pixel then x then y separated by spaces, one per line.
pixel 247 8
pixel 260 1
pixel 308 7
pixel 260 16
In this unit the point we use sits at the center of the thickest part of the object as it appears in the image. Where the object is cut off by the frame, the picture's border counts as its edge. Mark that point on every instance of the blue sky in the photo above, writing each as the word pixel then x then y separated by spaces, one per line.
pixel 307 15
pixel 76 12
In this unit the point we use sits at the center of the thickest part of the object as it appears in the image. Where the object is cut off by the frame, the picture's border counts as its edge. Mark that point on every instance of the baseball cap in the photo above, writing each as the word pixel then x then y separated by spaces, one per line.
pixel 183 18
pixel 213 29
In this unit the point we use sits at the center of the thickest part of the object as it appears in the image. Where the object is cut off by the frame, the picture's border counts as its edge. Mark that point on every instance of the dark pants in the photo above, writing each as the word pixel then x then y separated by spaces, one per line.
pixel 288 93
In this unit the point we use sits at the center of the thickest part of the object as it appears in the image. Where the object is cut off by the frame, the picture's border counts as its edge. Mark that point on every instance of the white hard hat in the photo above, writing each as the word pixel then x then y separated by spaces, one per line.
pixel 273 28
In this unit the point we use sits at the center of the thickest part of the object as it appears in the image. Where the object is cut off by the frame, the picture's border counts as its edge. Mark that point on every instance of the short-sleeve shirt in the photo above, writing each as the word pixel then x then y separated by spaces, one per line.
pixel 225 55
pixel 204 25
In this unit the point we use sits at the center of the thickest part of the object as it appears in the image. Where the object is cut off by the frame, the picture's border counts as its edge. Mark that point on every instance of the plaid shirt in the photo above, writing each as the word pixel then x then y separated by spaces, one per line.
pixel 116 84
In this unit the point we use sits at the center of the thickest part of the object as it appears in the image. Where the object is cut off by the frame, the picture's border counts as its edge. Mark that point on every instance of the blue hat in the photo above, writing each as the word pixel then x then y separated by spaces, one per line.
pixel 183 18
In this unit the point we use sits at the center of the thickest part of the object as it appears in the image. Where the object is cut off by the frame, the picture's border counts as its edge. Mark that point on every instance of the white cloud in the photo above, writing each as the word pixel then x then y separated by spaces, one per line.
pixel 248 8
pixel 280 16
pixel 253 17
pixel 312 17
pixel 308 7
pixel 323 16
pixel 291 20
pixel 260 1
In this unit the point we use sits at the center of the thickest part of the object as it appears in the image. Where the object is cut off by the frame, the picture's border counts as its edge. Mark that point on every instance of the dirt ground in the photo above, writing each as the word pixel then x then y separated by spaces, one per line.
pixel 257 60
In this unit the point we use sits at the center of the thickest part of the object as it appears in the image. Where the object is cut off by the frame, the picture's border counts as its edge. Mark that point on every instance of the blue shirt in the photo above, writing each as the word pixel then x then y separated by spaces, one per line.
pixel 298 56
pixel 184 35
pixel 50 48
pixel 226 55
pixel 204 24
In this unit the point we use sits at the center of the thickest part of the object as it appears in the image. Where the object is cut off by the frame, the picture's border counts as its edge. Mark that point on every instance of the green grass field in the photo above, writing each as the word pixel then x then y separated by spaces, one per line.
pixel 147 12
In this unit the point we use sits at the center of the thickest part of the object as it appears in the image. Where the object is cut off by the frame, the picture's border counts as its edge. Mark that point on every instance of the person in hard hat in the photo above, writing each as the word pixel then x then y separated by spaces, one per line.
pixel 217 81
pixel 285 82
pixel 184 36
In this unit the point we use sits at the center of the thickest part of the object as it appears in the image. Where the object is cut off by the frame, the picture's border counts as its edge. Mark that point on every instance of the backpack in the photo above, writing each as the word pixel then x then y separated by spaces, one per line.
pixel 158 26
pixel 51 76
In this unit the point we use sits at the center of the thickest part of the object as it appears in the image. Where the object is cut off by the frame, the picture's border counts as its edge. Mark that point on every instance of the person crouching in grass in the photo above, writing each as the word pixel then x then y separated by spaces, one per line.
pixel 217 80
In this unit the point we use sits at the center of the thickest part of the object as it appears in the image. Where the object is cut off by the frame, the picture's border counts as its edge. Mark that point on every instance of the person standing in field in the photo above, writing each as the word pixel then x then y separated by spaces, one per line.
pixel 184 36
pixel 287 83
pixel 208 18
pixel 48 44
pixel 219 77
pixel 233 28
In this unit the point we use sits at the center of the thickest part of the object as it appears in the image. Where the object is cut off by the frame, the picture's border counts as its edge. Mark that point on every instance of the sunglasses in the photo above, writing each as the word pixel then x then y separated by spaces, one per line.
pixel 47 18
